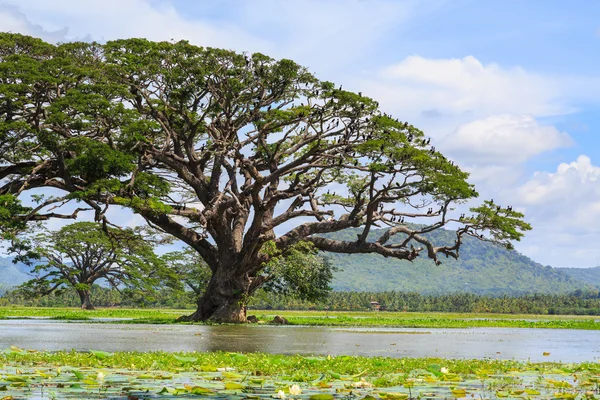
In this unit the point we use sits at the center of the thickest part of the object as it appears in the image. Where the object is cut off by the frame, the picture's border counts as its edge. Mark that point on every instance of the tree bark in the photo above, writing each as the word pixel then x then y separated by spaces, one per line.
pixel 224 299
pixel 84 297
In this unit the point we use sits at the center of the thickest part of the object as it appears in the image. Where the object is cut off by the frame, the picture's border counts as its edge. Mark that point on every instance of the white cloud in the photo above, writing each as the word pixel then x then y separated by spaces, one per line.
pixel 505 139
pixel 564 209
pixel 576 181
pixel 116 19
pixel 318 33
pixel 12 20
pixel 463 88
pixel 466 87
pixel 491 178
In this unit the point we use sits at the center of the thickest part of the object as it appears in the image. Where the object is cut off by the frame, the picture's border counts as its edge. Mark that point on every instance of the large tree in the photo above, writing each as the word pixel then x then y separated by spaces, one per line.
pixel 240 156
pixel 82 254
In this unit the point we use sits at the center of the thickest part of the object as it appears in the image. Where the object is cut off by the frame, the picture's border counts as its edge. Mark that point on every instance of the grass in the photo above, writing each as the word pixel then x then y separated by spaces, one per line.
pixel 322 318
pixel 26 374
pixel 438 320
pixel 139 315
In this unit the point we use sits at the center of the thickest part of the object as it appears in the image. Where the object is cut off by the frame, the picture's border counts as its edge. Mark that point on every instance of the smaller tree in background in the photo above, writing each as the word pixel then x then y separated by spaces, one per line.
pixel 83 253
pixel 192 271
pixel 302 272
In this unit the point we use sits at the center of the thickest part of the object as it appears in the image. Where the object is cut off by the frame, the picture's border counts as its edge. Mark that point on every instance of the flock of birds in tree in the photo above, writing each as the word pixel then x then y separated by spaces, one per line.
pixel 351 129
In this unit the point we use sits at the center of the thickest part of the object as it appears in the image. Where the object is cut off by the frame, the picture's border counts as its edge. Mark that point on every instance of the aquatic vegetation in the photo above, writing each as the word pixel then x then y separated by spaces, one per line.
pixel 132 375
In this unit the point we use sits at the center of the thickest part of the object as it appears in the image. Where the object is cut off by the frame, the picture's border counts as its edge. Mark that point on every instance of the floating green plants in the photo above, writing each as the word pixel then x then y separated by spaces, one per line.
pixel 135 375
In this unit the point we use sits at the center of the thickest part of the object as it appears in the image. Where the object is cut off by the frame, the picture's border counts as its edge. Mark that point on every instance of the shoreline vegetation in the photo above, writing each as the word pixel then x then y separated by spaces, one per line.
pixel 258 375
pixel 319 318
pixel 578 302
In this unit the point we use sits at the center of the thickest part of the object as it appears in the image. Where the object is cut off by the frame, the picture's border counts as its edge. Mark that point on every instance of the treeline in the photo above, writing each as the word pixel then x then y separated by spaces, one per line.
pixel 578 303
pixel 103 297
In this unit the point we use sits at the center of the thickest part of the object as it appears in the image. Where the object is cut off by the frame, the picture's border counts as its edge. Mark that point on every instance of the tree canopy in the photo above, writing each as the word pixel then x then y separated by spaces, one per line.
pixel 81 254
pixel 240 156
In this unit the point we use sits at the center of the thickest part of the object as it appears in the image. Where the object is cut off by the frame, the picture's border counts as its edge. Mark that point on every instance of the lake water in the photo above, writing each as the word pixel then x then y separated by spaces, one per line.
pixel 496 343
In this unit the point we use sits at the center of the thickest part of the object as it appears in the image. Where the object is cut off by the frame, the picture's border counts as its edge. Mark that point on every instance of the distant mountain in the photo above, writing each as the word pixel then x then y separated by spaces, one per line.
pixel 12 274
pixel 590 276
pixel 482 268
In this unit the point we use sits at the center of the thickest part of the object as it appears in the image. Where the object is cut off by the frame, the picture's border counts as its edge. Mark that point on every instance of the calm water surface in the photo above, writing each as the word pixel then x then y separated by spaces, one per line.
pixel 502 343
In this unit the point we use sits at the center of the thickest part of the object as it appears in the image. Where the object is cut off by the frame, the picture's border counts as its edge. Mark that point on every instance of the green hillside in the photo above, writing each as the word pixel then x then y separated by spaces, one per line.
pixel 482 268
pixel 590 276
pixel 11 274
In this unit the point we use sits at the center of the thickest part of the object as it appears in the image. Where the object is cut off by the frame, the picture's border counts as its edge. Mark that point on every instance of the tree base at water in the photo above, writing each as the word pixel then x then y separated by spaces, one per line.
pixel 86 303
pixel 227 312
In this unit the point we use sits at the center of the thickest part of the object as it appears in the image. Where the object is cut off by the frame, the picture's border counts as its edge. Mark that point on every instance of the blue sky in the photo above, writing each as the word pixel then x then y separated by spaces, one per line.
pixel 509 89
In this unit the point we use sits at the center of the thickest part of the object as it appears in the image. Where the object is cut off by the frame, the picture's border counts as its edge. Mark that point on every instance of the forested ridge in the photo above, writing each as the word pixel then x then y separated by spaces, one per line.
pixel 11 274
pixel 589 275
pixel 482 268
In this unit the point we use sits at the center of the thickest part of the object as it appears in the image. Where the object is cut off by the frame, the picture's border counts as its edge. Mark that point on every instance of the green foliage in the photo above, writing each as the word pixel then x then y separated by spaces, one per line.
pixel 95 160
pixel 154 125
pixel 588 275
pixel 82 253
pixel 301 272
pixel 225 375
pixel 503 224
pixel 326 318
pixel 12 229
pixel 190 269
pixel 10 206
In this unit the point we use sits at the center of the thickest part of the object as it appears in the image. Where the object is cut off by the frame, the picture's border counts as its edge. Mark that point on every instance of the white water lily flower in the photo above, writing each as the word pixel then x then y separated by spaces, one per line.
pixel 362 384
pixel 100 377
pixel 226 369
pixel 281 394
pixel 295 390
pixel 444 370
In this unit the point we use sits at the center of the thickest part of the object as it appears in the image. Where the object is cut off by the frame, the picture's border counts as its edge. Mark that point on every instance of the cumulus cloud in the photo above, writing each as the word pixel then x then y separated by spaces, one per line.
pixel 503 139
pixel 12 20
pixel 319 33
pixel 564 209
pixel 116 19
pixel 464 88
pixel 487 119
pixel 576 180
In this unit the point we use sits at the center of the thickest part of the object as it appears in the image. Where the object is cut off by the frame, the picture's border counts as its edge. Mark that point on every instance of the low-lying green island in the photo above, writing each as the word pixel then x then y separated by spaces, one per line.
pixel 133 375
pixel 321 318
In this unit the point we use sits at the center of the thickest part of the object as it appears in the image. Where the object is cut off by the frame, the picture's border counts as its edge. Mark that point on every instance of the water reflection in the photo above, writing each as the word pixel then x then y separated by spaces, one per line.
pixel 501 343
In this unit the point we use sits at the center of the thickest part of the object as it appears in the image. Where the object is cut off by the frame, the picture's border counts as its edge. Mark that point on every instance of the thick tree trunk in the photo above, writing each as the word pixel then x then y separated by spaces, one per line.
pixel 86 303
pixel 223 301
